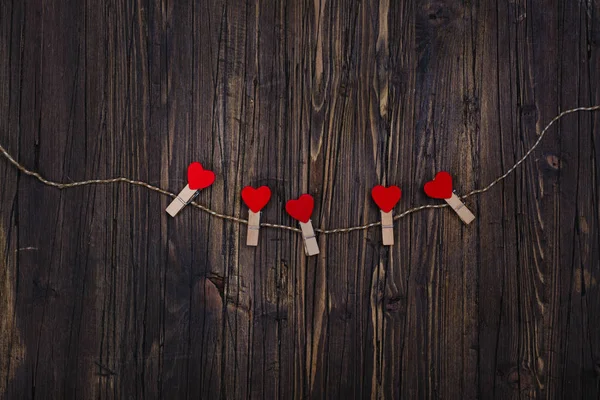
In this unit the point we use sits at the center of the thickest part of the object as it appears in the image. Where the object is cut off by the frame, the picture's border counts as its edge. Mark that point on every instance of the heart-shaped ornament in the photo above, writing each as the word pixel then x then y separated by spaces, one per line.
pixel 256 199
pixel 302 208
pixel 386 197
pixel 440 187
pixel 198 177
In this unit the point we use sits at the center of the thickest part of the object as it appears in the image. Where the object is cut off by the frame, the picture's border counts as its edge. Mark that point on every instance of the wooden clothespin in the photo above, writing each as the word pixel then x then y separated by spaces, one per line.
pixel 311 247
pixel 441 188
pixel 255 199
pixel 386 199
pixel 198 178
pixel 301 210
pixel 182 199
pixel 459 207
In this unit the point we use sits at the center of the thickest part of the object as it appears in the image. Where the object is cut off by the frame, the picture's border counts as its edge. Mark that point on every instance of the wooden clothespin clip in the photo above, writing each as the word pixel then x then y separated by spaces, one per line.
pixel 255 199
pixel 386 199
pixel 459 207
pixel 301 210
pixel 311 247
pixel 182 199
pixel 441 188
pixel 198 178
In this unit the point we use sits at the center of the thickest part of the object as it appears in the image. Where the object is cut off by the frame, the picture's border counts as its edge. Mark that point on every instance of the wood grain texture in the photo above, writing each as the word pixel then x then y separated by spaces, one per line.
pixel 103 295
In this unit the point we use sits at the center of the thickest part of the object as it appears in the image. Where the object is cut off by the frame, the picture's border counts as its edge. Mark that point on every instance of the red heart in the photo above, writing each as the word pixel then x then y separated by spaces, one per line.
pixel 386 198
pixel 302 208
pixel 256 199
pixel 440 187
pixel 198 177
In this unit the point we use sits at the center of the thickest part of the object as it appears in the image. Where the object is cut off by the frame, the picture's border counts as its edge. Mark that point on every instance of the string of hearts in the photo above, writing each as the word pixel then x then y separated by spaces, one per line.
pixel 301 209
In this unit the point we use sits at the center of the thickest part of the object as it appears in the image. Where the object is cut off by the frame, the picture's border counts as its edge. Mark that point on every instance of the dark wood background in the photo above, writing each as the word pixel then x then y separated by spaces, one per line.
pixel 102 295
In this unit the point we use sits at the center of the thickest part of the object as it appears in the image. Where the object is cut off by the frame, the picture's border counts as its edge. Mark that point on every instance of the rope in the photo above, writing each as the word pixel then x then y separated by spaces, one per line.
pixel 61 185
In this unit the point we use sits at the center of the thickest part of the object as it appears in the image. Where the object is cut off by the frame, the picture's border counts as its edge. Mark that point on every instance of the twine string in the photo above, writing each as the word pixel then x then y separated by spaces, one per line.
pixel 62 185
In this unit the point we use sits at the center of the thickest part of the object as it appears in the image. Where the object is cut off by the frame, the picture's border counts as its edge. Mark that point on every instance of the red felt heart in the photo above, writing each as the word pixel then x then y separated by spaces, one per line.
pixel 386 198
pixel 302 208
pixel 440 187
pixel 256 199
pixel 198 177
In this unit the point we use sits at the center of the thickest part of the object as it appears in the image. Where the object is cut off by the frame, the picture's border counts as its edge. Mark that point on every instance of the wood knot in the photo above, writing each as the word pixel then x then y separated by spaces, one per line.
pixel 471 108
pixel 218 281
pixel 528 112
pixel 209 295
pixel 437 13
pixel 44 290
pixel 396 304
pixel 520 378
pixel 553 161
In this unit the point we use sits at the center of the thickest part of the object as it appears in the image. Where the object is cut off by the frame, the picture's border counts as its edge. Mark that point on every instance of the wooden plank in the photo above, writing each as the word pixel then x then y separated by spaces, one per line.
pixel 564 169
pixel 496 245
pixel 103 295
pixel 15 370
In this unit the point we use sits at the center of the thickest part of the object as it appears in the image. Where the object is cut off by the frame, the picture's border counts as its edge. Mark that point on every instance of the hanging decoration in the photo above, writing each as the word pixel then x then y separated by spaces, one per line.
pixel 255 199
pixel 301 209
pixel 198 178
pixel 386 199
pixel 441 188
